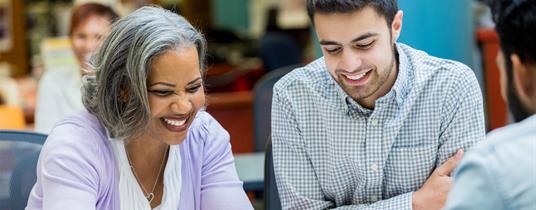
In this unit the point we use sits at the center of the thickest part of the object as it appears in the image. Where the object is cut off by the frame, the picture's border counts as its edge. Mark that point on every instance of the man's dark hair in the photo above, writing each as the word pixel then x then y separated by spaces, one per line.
pixel 386 8
pixel 515 23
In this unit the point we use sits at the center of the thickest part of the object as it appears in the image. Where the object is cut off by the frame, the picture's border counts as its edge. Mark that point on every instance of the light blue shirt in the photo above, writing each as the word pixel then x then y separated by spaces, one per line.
pixel 330 152
pixel 500 173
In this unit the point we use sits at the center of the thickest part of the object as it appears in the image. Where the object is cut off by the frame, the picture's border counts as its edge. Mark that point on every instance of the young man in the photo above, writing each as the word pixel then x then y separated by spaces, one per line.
pixel 501 172
pixel 373 123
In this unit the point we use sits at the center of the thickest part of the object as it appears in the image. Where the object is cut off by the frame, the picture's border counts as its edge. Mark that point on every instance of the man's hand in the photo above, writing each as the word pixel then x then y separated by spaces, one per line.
pixel 433 193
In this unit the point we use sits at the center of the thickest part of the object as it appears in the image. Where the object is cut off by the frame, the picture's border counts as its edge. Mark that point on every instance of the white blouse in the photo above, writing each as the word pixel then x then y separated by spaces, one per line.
pixel 131 196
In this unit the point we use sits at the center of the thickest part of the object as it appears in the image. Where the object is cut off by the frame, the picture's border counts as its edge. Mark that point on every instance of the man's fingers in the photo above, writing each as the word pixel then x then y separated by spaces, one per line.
pixel 450 164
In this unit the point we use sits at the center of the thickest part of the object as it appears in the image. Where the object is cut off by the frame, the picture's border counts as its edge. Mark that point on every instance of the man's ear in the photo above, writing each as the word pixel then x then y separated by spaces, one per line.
pixel 396 26
pixel 523 79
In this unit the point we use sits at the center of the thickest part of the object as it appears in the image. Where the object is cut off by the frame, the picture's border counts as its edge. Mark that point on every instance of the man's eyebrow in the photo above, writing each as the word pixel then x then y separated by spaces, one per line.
pixel 364 36
pixel 324 42
pixel 357 39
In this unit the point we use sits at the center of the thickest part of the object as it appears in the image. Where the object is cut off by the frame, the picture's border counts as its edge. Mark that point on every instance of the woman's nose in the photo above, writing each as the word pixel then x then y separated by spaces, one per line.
pixel 181 104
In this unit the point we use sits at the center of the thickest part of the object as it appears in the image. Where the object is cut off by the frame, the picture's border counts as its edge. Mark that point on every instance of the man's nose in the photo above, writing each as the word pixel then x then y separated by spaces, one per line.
pixel 350 61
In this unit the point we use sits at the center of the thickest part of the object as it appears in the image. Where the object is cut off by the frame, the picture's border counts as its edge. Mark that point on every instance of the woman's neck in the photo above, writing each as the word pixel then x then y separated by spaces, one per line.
pixel 145 151
pixel 148 158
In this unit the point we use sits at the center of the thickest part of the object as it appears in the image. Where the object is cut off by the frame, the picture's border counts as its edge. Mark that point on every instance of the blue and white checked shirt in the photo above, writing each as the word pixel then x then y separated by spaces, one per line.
pixel 330 152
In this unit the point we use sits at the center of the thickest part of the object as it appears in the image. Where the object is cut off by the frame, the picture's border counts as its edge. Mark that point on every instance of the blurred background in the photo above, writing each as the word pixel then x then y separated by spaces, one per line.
pixel 252 43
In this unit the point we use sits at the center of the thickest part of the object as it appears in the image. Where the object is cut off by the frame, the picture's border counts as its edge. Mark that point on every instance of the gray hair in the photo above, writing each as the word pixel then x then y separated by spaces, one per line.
pixel 117 93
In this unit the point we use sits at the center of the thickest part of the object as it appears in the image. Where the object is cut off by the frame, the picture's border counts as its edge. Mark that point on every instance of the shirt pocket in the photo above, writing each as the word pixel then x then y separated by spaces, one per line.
pixel 344 182
pixel 407 168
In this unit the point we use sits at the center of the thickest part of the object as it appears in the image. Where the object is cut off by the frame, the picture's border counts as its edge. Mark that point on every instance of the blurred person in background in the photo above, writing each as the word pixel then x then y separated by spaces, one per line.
pixel 59 90
pixel 500 173
pixel 145 141
pixel 9 90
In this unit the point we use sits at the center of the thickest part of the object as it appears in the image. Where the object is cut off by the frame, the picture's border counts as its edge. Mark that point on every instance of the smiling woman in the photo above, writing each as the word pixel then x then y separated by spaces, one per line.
pixel 145 141
pixel 176 93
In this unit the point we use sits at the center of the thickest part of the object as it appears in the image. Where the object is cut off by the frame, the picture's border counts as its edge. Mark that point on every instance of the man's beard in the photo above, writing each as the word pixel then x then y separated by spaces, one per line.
pixel 519 112
pixel 382 78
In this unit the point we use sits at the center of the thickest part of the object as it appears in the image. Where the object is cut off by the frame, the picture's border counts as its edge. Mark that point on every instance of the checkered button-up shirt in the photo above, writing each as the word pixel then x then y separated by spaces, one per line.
pixel 331 152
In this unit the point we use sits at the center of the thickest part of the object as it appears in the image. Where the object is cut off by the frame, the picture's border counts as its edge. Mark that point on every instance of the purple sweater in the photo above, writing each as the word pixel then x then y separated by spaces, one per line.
pixel 77 168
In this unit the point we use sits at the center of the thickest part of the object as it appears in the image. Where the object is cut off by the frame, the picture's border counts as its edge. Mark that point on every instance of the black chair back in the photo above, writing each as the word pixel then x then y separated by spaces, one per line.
pixel 262 105
pixel 278 50
pixel 271 196
pixel 19 152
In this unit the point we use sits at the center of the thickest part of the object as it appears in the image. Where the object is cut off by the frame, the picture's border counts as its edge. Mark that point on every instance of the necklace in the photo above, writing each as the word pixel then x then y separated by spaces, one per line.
pixel 149 196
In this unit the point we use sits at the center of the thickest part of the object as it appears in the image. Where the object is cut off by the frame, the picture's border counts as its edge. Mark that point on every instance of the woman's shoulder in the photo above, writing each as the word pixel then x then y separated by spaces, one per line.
pixel 206 129
pixel 80 132
pixel 81 121
pixel 76 153
pixel 207 144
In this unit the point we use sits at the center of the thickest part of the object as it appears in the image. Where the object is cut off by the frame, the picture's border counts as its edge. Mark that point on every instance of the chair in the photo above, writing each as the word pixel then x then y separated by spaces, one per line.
pixel 271 196
pixel 262 100
pixel 12 118
pixel 278 50
pixel 262 105
pixel 19 151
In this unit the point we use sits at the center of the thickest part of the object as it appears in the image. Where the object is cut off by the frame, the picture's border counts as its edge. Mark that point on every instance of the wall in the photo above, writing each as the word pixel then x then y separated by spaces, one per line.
pixel 441 28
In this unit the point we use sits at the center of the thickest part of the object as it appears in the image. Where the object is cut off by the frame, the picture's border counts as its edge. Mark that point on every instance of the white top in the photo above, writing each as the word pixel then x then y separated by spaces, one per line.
pixel 9 90
pixel 131 196
pixel 58 95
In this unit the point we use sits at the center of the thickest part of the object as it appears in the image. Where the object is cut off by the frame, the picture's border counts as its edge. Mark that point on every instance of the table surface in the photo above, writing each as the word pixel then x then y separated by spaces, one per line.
pixel 250 169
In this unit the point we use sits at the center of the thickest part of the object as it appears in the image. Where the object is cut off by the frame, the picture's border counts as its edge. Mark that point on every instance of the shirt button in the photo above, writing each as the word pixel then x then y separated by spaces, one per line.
pixel 374 167
pixel 374 122
pixel 373 198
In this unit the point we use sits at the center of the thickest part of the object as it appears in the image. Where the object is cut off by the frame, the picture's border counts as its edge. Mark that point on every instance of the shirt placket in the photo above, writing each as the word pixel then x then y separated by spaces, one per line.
pixel 374 149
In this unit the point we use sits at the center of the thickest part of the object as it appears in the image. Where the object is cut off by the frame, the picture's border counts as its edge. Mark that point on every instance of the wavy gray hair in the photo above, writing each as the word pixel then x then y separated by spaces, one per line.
pixel 117 93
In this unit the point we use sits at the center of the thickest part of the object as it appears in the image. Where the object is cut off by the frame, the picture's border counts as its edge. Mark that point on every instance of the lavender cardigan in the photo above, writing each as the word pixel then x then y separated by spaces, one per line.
pixel 77 168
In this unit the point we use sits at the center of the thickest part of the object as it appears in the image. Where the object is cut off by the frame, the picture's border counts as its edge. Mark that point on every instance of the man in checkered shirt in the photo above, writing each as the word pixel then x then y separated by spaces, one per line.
pixel 374 124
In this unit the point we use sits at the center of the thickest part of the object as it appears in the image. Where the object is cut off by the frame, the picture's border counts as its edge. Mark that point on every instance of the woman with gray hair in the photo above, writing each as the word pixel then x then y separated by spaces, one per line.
pixel 145 142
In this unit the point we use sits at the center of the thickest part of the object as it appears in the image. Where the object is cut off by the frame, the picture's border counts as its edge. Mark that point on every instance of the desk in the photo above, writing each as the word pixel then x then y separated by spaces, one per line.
pixel 250 169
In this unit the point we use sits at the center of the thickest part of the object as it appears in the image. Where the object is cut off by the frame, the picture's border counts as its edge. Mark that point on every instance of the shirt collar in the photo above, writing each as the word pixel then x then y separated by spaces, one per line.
pixel 347 102
pixel 403 79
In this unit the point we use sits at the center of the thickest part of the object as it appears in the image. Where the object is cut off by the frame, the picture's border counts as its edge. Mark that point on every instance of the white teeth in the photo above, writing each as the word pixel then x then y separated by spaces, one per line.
pixel 175 122
pixel 356 77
